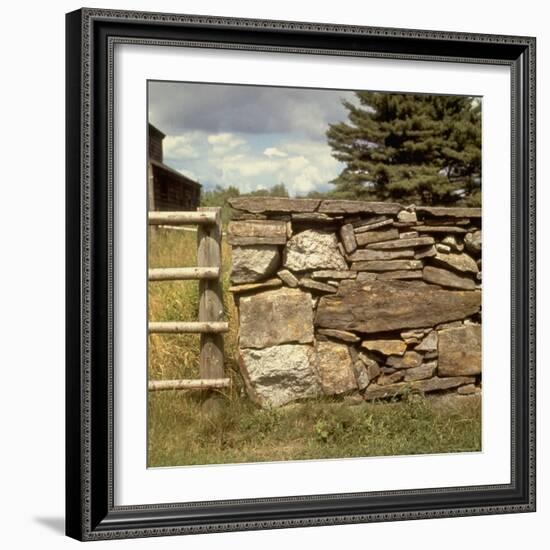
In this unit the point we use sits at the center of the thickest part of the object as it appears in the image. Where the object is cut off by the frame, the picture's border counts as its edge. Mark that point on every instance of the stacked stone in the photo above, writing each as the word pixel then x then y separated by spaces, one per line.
pixel 341 297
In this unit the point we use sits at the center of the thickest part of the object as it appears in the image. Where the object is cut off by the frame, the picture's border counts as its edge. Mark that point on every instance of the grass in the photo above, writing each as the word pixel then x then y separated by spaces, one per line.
pixel 181 433
pixel 177 356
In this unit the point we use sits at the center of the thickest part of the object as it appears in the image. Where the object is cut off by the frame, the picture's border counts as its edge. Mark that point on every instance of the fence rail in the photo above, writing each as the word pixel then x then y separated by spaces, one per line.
pixel 161 385
pixel 183 273
pixel 190 327
pixel 200 217
pixel 210 324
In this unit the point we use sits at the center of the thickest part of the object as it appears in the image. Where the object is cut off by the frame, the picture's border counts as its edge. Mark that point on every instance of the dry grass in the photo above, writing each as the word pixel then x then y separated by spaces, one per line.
pixel 181 433
pixel 177 356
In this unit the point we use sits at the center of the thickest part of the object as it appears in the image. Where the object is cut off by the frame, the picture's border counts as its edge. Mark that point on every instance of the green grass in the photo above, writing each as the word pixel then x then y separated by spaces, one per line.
pixel 181 433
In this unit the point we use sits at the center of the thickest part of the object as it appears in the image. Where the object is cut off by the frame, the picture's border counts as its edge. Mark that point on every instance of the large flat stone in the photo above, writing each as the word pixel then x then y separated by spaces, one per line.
pixel 381 306
pixel 402 243
pixel 278 375
pixel 401 274
pixel 447 221
pixel 440 229
pixel 250 264
pixel 333 274
pixel 358 207
pixel 446 278
pixel 386 265
pixel 254 287
pixel 365 255
pixel 449 212
pixel 275 317
pixel 254 232
pixel 273 204
pixel 311 250
pixel 313 217
pixel 339 335
pixel 460 351
pixel 374 391
pixel 335 368
pixel 370 225
pixel 377 236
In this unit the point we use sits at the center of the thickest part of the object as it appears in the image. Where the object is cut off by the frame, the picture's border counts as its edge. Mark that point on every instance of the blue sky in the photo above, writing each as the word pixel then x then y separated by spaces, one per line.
pixel 251 137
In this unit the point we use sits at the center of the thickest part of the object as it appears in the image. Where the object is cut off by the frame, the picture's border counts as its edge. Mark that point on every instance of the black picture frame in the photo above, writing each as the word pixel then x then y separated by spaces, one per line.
pixel 90 512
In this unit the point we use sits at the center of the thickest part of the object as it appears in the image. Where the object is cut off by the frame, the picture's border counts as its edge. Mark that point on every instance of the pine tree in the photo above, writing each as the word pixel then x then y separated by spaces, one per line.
pixel 416 148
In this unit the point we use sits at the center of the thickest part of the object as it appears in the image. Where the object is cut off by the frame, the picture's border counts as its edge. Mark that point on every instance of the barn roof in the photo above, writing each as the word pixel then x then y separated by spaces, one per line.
pixel 174 173
pixel 155 130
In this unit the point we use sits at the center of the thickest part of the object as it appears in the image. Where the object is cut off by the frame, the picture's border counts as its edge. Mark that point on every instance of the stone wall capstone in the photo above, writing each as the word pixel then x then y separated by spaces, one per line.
pixel 339 297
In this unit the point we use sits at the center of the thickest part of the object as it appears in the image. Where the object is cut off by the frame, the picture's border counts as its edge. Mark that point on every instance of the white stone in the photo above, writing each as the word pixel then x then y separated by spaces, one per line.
pixel 280 374
pixel 313 249
pixel 250 264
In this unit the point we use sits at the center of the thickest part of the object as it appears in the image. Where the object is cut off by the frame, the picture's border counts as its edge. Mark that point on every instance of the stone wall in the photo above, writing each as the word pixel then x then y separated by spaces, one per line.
pixel 347 297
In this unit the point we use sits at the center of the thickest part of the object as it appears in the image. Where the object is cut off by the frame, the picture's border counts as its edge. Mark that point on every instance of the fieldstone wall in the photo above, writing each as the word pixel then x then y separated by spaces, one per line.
pixel 343 297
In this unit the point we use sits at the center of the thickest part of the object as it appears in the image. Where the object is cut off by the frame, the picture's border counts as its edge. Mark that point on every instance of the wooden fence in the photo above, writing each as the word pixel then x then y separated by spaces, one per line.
pixel 210 324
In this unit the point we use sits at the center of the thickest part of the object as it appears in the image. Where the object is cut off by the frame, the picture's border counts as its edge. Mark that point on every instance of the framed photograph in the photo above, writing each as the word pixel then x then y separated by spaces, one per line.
pixel 276 315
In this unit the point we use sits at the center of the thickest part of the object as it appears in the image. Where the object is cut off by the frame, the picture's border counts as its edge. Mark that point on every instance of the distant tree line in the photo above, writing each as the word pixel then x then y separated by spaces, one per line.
pixel 219 195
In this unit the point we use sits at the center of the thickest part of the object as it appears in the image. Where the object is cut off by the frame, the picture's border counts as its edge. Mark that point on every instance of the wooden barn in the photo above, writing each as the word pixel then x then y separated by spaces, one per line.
pixel 168 189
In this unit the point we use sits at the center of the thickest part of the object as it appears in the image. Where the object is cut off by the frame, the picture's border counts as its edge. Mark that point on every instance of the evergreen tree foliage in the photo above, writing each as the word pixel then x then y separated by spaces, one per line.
pixel 416 148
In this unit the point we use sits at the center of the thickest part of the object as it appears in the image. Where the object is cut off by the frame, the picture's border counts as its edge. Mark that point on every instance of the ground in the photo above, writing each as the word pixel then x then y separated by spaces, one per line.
pixel 181 432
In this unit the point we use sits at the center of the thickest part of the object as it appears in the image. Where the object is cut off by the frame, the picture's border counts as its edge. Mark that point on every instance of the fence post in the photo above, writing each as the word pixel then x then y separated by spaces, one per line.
pixel 210 296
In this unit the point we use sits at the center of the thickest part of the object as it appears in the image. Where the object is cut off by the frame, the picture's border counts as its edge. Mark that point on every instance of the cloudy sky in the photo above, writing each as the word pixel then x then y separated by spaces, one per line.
pixel 251 137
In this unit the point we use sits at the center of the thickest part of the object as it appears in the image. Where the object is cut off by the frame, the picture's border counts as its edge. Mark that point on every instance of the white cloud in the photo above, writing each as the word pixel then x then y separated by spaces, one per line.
pixel 250 137
pixel 188 173
pixel 228 158
pixel 181 147
pixel 274 152
pixel 225 142
pixel 301 173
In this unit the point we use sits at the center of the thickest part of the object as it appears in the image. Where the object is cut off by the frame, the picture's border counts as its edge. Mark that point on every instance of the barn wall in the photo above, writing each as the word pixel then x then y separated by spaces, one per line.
pixel 174 193
pixel 155 144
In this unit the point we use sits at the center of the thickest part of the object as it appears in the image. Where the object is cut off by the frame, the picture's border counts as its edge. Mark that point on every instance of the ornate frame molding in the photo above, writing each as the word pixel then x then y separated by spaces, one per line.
pixel 91 36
